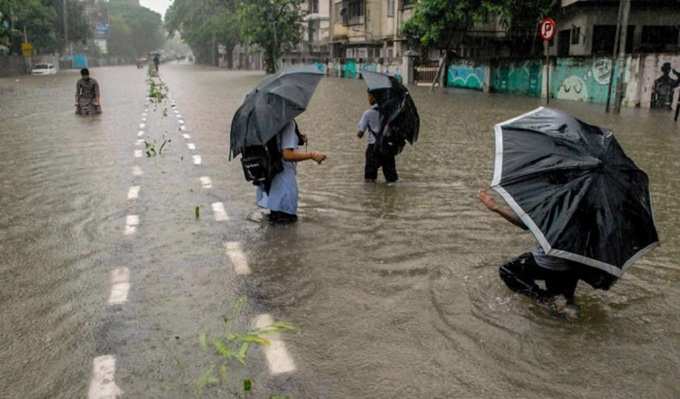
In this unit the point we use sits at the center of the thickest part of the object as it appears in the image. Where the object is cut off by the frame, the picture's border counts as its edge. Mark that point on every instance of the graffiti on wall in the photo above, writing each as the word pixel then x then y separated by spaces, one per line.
pixel 664 88
pixel 523 78
pixel 581 79
pixel 465 76
pixel 660 83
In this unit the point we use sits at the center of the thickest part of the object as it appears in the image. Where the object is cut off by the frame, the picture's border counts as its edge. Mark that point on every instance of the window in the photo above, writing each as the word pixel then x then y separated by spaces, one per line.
pixel 576 35
pixel 390 8
pixel 604 37
pixel 660 38
pixel 408 3
pixel 352 12
pixel 313 6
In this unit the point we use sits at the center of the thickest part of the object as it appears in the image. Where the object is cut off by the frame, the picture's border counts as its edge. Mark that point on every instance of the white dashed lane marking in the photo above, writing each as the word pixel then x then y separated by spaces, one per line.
pixel 139 142
pixel 103 384
pixel 191 146
pixel 120 286
pixel 131 223
pixel 186 136
pixel 140 133
pixel 138 153
pixel 197 159
pixel 276 353
pixel 142 125
pixel 206 182
pixel 238 258
pixel 137 171
pixel 133 193
pixel 219 212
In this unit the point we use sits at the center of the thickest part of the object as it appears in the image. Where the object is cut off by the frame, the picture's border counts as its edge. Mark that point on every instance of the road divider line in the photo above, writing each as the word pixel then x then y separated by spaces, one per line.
pixel 181 121
pixel 191 146
pixel 133 193
pixel 103 384
pixel 139 142
pixel 140 133
pixel 206 182
pixel 186 136
pixel 142 125
pixel 131 223
pixel 183 128
pixel 238 258
pixel 137 171
pixel 138 153
pixel 219 212
pixel 144 120
pixel 278 359
pixel 120 286
pixel 197 159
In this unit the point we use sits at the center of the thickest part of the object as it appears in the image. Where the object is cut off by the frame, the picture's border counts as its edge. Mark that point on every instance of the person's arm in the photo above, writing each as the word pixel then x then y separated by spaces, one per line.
pixel 362 126
pixel 507 214
pixel 96 92
pixel 291 155
pixel 77 91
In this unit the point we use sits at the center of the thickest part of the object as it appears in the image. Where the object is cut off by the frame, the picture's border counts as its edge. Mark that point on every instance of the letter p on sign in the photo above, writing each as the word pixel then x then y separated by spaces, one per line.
pixel 547 29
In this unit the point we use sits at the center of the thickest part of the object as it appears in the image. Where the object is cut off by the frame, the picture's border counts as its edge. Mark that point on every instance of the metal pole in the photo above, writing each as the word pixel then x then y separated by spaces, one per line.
pixel 622 57
pixel 614 54
pixel 677 111
pixel 547 72
pixel 65 16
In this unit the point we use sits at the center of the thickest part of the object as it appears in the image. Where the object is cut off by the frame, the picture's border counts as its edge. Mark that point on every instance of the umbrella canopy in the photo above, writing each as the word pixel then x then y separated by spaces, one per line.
pixel 394 101
pixel 276 101
pixel 575 189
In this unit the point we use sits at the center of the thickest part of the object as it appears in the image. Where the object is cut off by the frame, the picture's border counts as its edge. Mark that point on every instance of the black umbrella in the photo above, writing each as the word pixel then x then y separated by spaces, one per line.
pixel 575 189
pixel 396 103
pixel 275 102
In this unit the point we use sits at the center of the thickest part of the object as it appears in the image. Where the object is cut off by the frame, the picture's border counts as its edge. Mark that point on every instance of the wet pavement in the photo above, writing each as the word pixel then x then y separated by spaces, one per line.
pixel 394 289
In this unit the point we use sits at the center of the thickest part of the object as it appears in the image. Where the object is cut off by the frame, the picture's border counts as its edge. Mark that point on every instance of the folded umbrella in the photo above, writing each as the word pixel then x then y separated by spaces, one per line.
pixel 575 189
pixel 271 106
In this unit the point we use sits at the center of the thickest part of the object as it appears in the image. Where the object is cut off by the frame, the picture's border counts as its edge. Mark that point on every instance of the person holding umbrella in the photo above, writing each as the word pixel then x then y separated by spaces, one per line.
pixel 265 134
pixel 391 121
pixel 587 204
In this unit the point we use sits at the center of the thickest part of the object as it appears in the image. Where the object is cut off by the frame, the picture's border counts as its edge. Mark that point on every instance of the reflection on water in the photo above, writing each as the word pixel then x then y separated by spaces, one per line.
pixel 395 288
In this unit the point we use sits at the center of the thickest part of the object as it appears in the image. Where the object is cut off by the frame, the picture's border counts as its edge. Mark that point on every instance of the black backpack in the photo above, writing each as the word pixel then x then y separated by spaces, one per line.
pixel 261 163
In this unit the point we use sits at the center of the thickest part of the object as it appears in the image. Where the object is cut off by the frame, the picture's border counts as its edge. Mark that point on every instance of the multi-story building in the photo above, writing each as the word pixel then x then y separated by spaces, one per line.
pixel 315 34
pixel 368 30
pixel 588 27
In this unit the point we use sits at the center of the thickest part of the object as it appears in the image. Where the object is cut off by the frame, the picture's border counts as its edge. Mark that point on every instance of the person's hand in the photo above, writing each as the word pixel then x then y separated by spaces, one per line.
pixel 303 138
pixel 319 157
pixel 488 200
pixel 360 135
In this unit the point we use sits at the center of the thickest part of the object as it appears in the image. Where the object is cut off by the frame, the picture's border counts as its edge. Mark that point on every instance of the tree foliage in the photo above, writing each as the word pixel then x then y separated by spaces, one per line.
pixel 204 24
pixel 42 22
pixel 274 25
pixel 135 30
pixel 440 23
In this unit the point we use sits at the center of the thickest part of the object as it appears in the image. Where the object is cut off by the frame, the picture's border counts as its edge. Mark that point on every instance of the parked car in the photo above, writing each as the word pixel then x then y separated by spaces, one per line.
pixel 44 69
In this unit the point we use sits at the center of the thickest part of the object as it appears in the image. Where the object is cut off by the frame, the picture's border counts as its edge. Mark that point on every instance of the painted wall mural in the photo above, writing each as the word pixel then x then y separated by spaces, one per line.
pixel 660 81
pixel 466 76
pixel 522 78
pixel 581 79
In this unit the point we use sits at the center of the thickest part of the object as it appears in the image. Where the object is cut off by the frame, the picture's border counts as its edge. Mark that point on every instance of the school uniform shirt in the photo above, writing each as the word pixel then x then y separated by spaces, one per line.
pixel 551 262
pixel 283 194
pixel 370 118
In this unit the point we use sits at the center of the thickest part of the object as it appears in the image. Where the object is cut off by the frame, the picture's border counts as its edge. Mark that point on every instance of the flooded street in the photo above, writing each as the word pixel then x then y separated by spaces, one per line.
pixel 394 289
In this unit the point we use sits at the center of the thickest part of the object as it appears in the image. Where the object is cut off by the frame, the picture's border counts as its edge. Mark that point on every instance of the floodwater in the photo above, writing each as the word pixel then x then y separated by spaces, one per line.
pixel 395 290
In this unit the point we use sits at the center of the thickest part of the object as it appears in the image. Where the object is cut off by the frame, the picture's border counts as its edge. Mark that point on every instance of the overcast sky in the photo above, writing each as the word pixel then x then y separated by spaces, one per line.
pixel 160 6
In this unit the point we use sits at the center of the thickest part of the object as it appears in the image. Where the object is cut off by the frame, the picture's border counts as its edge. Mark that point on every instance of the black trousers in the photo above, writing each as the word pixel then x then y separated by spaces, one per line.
pixel 521 274
pixel 375 160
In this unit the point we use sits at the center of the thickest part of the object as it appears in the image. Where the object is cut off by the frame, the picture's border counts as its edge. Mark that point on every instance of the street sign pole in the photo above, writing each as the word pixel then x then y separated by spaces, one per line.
pixel 547 72
pixel 547 31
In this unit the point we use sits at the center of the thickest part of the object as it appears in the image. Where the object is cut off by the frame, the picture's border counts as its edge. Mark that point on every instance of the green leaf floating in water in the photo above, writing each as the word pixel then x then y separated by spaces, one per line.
pixel 247 385
pixel 197 212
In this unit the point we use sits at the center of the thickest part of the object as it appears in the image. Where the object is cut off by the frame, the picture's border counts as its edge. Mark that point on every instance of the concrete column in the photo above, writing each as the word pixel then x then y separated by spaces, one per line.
pixel 407 70
pixel 486 87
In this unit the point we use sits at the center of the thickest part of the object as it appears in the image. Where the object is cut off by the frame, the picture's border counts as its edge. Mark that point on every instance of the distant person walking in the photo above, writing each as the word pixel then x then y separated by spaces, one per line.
pixel 157 61
pixel 87 94
pixel 371 121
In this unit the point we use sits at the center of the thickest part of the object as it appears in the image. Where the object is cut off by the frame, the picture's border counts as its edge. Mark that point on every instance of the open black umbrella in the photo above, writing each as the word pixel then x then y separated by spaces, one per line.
pixel 275 102
pixel 575 189
pixel 396 104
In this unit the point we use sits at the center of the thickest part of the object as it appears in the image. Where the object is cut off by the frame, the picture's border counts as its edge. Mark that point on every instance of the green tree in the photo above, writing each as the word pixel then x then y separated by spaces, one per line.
pixel 204 24
pixel 79 29
pixel 274 25
pixel 135 30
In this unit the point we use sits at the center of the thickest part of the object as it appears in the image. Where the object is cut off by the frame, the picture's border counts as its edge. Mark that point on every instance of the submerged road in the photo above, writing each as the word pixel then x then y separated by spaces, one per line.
pixel 120 263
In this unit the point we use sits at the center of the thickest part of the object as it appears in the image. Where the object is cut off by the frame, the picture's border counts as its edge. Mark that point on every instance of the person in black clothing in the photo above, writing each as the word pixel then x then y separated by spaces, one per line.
pixel 87 94
pixel 372 120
